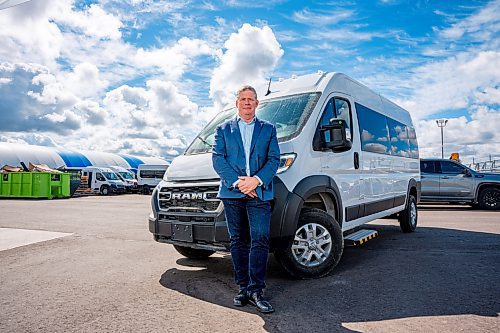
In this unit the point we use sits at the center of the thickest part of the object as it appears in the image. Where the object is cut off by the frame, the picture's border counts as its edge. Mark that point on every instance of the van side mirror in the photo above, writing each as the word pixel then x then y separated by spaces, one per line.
pixel 336 134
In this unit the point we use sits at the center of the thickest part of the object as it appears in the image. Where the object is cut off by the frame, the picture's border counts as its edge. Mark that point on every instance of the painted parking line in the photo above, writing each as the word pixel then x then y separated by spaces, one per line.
pixel 12 238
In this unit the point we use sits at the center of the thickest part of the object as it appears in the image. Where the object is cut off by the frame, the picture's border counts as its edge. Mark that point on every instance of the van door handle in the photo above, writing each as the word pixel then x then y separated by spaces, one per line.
pixel 356 160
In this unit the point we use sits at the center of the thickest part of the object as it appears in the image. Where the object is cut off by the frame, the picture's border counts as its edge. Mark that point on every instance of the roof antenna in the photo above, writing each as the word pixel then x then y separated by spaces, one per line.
pixel 269 87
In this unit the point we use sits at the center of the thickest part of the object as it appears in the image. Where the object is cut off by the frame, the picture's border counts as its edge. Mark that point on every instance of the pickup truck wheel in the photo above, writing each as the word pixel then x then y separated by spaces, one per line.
pixel 104 190
pixel 489 198
pixel 409 216
pixel 191 253
pixel 316 247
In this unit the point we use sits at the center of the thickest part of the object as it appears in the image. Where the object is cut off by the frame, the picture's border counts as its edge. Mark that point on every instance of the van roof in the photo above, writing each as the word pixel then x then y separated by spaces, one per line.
pixel 295 85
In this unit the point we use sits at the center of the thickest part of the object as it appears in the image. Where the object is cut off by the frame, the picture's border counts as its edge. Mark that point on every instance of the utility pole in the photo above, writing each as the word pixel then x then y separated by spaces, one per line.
pixel 441 124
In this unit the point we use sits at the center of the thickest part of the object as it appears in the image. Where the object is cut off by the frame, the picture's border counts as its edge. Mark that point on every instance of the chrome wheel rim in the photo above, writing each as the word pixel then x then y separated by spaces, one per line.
pixel 311 245
pixel 413 214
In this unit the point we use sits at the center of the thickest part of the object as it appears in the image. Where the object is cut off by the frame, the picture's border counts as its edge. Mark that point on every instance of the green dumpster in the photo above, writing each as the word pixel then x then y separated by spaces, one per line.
pixel 34 185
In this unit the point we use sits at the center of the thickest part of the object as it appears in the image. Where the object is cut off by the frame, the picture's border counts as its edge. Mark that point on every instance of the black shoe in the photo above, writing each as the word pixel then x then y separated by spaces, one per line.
pixel 241 299
pixel 257 300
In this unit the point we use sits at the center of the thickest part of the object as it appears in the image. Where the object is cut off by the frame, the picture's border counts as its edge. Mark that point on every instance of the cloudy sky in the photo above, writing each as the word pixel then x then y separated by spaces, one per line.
pixel 142 77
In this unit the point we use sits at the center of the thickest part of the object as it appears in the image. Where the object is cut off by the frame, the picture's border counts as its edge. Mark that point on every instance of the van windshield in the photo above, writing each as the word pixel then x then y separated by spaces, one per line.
pixel 126 175
pixel 289 114
pixel 110 175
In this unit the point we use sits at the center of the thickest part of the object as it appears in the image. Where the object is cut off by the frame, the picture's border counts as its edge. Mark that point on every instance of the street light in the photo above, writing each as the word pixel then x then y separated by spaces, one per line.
pixel 442 123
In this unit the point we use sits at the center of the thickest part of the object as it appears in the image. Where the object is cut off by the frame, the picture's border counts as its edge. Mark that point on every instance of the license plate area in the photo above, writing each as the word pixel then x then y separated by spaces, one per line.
pixel 182 232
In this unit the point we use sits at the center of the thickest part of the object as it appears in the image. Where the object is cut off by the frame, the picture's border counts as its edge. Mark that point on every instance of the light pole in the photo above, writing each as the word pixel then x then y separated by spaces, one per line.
pixel 441 124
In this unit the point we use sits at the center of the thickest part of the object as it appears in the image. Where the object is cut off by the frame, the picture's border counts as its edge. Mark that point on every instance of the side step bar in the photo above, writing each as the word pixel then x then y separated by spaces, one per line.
pixel 359 237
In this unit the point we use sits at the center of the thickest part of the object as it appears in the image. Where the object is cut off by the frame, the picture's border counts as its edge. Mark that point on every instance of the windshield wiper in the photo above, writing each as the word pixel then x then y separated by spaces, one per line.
pixel 204 141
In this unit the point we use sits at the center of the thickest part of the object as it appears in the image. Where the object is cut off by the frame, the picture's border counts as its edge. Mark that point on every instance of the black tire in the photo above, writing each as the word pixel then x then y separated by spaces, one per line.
pixel 489 198
pixel 408 218
pixel 191 253
pixel 146 190
pixel 318 223
pixel 104 190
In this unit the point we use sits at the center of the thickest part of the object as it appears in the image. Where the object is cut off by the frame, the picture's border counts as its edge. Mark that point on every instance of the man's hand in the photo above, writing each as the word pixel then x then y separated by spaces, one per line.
pixel 247 185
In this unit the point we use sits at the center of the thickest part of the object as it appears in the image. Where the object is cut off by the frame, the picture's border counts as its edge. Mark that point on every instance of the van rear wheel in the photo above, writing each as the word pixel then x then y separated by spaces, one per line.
pixel 409 216
pixel 316 247
pixel 191 253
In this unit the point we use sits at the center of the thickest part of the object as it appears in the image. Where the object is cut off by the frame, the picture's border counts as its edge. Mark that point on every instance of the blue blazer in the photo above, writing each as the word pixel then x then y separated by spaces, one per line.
pixel 228 157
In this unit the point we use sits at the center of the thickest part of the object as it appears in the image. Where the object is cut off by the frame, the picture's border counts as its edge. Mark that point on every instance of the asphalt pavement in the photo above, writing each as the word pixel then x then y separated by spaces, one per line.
pixel 94 267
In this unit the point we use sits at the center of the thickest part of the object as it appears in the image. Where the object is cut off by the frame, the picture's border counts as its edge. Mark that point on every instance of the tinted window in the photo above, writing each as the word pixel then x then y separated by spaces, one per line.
pixel 152 173
pixel 413 142
pixel 373 129
pixel 450 167
pixel 428 167
pixel 400 145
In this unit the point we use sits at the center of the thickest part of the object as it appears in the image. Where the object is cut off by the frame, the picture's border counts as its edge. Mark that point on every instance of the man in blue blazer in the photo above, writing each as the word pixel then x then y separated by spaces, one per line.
pixel 246 156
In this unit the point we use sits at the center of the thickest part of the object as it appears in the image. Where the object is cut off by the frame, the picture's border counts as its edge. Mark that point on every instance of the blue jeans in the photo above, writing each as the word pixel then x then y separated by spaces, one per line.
pixel 248 221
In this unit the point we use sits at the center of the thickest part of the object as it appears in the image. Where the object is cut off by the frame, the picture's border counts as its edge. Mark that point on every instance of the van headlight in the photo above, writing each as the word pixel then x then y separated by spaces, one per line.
pixel 286 161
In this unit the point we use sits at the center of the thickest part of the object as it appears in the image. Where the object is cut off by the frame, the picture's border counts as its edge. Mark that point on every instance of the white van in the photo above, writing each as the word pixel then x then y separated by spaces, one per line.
pixel 102 180
pixel 127 177
pixel 348 156
pixel 149 175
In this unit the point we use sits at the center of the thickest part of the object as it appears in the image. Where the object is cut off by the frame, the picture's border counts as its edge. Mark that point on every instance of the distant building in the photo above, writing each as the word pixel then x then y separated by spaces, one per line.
pixel 13 154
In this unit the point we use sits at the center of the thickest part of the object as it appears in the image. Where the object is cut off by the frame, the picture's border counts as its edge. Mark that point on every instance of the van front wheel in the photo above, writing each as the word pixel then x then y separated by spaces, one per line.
pixel 104 190
pixel 316 247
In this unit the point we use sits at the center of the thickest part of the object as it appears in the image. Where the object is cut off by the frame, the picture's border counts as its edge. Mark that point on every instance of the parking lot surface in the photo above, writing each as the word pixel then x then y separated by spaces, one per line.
pixel 97 269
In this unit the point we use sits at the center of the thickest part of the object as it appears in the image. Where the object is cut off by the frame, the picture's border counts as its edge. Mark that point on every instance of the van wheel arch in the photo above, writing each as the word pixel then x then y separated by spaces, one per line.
pixel 319 192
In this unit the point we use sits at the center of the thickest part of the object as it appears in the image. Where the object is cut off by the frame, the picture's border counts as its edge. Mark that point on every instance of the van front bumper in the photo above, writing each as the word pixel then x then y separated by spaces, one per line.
pixel 209 236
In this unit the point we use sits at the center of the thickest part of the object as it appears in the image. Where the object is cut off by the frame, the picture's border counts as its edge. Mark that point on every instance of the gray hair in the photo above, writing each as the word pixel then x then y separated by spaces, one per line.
pixel 245 88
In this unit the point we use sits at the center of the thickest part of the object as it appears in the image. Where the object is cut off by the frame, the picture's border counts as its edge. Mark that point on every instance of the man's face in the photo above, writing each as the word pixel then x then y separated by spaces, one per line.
pixel 246 104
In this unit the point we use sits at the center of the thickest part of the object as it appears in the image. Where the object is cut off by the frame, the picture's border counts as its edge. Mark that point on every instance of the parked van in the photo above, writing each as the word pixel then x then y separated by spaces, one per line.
pixel 103 180
pixel 149 175
pixel 127 177
pixel 348 156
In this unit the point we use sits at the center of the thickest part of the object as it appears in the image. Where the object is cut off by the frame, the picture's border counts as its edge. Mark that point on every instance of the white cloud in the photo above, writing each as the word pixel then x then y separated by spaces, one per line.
pixel 84 80
pixel 174 60
pixel 27 34
pixel 483 25
pixel 35 100
pixel 476 138
pixel 92 21
pixel 150 110
pixel 308 17
pixel 250 55
pixel 490 95
pixel 452 83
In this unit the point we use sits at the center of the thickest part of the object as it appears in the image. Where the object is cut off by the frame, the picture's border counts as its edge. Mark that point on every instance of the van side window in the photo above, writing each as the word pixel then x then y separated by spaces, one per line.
pixel 335 108
pixel 152 174
pixel 400 143
pixel 373 130
pixel 99 177
pixel 413 142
